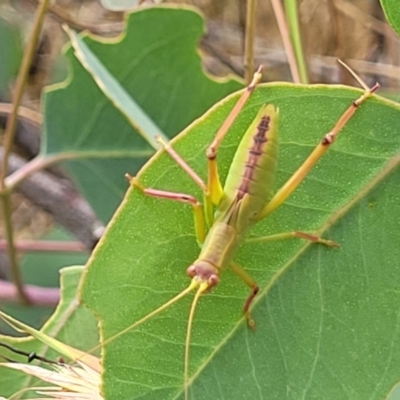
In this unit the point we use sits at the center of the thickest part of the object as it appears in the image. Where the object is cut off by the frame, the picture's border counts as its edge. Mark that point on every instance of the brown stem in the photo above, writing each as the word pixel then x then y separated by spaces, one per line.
pixel 19 87
pixel 9 140
pixel 37 295
pixel 23 112
pixel 12 254
pixel 26 170
pixel 287 43
pixel 58 197
pixel 249 43
pixel 46 245
pixel 104 28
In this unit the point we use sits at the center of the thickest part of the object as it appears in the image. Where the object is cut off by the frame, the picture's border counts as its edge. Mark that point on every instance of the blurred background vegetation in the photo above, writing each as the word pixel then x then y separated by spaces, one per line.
pixel 55 212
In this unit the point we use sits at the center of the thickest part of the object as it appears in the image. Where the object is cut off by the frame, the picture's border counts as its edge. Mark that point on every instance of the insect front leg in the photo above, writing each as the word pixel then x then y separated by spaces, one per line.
pixel 249 281
pixel 199 222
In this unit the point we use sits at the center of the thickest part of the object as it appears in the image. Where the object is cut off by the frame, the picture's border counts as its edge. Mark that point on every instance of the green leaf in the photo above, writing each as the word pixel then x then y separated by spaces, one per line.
pixel 327 319
pixel 159 67
pixel 391 9
pixel 115 92
pixel 70 323
pixel 11 54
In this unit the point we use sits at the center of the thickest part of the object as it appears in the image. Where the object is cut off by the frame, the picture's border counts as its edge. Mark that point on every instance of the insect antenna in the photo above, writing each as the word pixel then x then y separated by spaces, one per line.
pixel 202 288
pixel 354 75
pixel 179 296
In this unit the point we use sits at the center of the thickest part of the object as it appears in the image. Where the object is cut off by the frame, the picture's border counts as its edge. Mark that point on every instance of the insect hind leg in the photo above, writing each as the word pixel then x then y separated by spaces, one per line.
pixel 294 181
pixel 214 183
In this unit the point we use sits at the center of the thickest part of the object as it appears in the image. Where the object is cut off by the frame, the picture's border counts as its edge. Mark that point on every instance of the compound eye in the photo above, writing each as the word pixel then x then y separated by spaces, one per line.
pixel 191 271
pixel 213 280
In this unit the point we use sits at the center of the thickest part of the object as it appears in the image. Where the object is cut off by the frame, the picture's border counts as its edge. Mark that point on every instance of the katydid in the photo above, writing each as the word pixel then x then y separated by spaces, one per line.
pixel 223 218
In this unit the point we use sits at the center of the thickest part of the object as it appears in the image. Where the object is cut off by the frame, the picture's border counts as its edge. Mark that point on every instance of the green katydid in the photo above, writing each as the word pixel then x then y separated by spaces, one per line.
pixel 243 202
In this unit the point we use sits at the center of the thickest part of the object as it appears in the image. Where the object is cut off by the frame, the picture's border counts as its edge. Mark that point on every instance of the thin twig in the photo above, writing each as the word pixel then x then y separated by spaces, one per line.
pixel 33 166
pixel 19 88
pixel 249 40
pixel 56 196
pixel 284 31
pixel 26 113
pixel 292 17
pixel 100 29
pixel 218 35
pixel 46 245
pixel 40 296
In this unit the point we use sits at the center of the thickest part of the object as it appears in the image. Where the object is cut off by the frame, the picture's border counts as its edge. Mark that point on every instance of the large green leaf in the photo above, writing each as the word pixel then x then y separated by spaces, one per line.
pixel 327 319
pixel 157 63
pixel 392 13
pixel 71 323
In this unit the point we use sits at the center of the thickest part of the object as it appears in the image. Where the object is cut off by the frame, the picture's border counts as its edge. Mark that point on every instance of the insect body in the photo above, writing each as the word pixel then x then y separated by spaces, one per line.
pixel 244 200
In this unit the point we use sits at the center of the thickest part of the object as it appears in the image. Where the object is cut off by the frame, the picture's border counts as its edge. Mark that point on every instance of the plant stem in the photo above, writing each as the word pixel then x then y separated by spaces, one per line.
pixel 249 40
pixel 40 296
pixel 9 140
pixel 287 44
pixel 294 28
pixel 23 112
pixel 46 245
pixel 19 87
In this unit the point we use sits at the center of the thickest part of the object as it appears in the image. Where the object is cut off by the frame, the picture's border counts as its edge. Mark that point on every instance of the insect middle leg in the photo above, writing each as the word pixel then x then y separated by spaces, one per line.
pixel 249 281
pixel 291 235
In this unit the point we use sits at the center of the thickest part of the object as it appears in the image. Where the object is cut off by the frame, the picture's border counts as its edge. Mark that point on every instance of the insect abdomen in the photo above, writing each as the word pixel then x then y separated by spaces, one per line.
pixel 251 175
